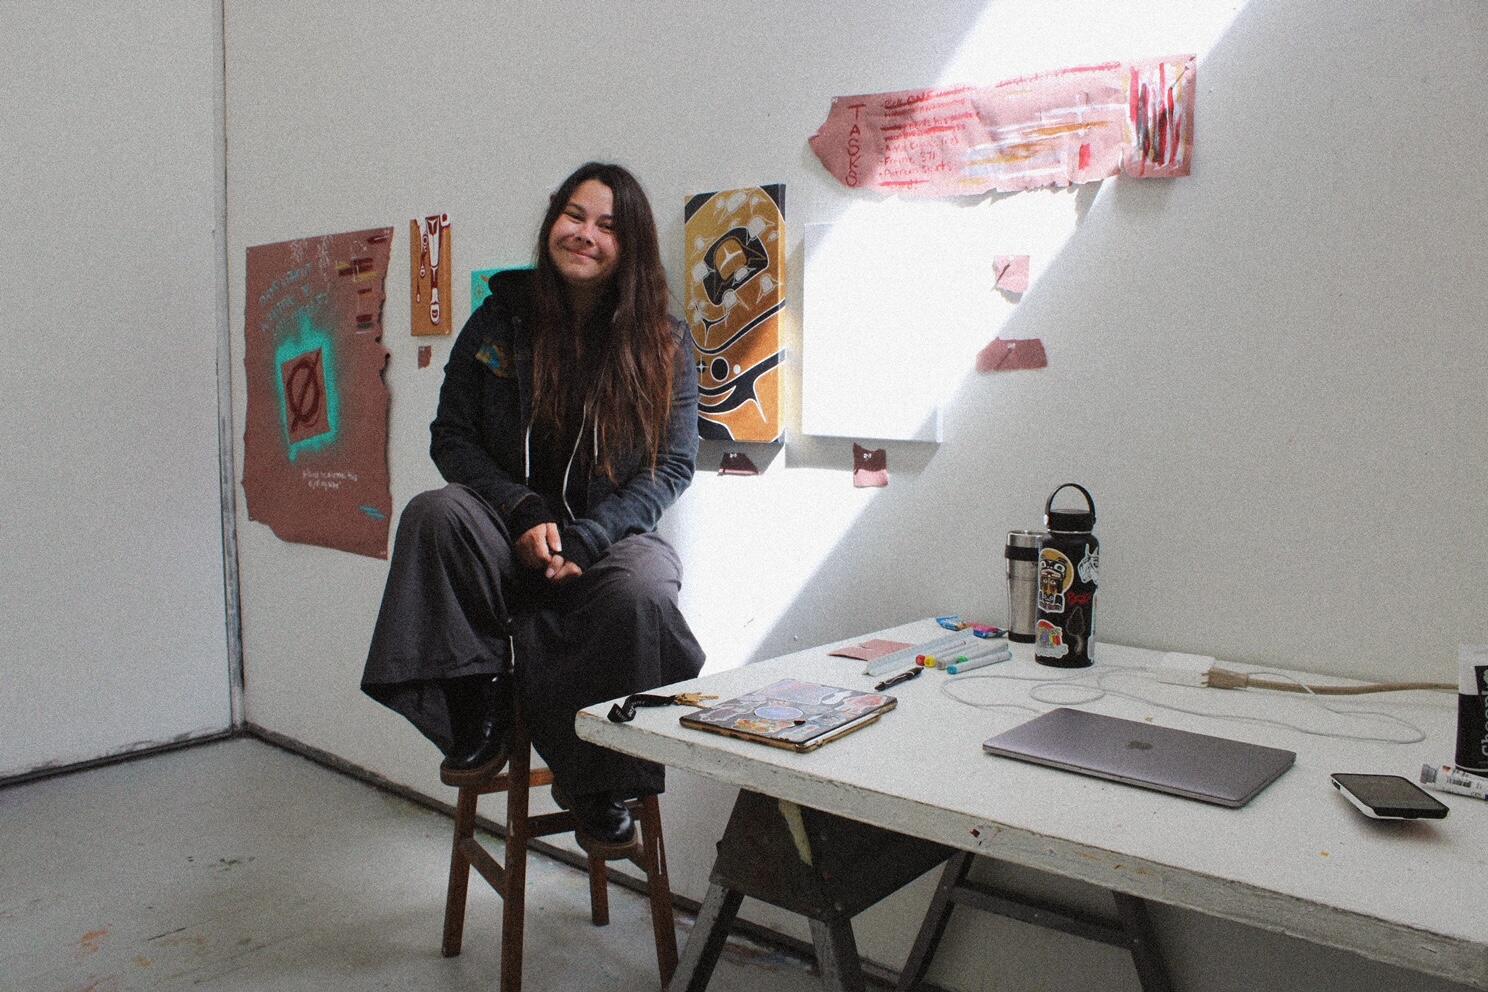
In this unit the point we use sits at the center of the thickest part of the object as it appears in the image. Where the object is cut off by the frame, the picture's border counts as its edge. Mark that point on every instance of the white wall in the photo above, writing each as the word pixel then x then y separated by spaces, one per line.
pixel 1265 372
pixel 112 632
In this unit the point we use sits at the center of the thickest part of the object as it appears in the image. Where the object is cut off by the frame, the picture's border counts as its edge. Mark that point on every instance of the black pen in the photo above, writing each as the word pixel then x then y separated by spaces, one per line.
pixel 901 677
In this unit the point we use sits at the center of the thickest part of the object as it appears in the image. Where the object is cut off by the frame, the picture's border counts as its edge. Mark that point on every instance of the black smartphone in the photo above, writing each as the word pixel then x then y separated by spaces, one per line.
pixel 1388 797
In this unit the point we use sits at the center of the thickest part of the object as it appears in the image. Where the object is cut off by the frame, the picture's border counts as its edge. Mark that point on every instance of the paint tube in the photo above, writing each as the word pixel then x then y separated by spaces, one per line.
pixel 1448 778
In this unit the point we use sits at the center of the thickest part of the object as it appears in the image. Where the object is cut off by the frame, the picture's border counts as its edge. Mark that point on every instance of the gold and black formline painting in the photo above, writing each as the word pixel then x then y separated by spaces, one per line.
pixel 735 295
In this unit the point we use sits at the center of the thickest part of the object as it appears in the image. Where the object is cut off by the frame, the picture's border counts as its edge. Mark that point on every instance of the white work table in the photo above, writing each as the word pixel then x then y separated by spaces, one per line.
pixel 1297 859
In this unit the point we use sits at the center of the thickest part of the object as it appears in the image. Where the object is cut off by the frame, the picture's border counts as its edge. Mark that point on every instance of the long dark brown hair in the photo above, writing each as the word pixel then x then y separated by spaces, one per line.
pixel 627 344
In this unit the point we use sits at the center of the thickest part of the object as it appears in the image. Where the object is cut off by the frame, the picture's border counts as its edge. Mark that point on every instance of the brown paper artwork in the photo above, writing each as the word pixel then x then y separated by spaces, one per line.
pixel 315 445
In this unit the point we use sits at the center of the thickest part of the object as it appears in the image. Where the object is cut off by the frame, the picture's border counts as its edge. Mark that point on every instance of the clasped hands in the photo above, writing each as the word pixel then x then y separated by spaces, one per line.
pixel 541 550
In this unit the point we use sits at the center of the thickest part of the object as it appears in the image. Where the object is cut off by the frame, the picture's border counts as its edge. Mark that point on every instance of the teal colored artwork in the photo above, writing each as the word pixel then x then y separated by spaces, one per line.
pixel 480 280
pixel 309 400
pixel 479 287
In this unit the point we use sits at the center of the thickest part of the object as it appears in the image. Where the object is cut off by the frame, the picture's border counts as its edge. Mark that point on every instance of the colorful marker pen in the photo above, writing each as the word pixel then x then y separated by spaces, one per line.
pixel 975 651
pixel 979 661
pixel 955 655
pixel 909 655
pixel 940 651
pixel 990 651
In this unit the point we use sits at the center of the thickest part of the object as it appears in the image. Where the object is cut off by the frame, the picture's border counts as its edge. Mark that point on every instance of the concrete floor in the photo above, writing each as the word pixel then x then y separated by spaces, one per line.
pixel 236 866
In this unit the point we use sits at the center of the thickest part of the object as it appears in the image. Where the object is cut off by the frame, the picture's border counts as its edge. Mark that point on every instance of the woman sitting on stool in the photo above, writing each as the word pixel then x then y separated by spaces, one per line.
pixel 567 422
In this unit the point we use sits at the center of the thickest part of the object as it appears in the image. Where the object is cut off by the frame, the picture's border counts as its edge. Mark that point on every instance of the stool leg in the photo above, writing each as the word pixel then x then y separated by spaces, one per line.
pixel 660 888
pixel 513 899
pixel 459 877
pixel 599 895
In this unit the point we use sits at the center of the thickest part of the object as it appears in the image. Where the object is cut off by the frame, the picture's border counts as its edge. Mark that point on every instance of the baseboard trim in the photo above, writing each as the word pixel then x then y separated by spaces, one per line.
pixel 130 754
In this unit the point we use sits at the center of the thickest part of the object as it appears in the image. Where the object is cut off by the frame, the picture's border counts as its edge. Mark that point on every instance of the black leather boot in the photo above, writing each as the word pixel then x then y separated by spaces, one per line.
pixel 480 709
pixel 601 816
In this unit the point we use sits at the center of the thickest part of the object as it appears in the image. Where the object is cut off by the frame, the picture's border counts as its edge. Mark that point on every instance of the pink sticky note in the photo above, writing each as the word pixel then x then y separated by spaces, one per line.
pixel 1012 273
pixel 869 650
pixel 1010 355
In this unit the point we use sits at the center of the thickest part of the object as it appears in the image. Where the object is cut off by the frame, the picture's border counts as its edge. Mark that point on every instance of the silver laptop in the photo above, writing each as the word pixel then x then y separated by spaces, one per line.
pixel 1212 769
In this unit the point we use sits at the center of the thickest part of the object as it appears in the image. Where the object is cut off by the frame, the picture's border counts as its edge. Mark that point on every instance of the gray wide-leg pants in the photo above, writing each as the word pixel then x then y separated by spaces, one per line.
pixel 457 603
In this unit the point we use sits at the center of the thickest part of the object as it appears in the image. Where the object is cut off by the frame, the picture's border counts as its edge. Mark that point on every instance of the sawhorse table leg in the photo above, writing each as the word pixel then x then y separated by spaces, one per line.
pixel 837 955
pixel 825 867
pixel 714 918
pixel 1132 929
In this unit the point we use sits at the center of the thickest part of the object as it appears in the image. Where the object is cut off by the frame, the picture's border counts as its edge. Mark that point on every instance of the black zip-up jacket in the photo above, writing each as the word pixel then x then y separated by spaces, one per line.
pixel 479 436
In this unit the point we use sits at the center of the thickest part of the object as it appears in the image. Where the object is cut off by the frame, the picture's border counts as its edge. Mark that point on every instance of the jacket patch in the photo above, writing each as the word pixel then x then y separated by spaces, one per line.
pixel 497 358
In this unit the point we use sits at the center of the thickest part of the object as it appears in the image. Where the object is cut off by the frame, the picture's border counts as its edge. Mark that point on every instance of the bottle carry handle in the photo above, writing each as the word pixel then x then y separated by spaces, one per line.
pixel 1089 500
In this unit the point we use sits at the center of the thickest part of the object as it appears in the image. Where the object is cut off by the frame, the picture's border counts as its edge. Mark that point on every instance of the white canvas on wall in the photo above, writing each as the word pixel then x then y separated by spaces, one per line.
pixel 893 309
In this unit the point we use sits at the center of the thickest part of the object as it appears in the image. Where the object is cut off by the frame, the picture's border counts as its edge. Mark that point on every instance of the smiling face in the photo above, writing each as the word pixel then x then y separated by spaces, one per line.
pixel 582 243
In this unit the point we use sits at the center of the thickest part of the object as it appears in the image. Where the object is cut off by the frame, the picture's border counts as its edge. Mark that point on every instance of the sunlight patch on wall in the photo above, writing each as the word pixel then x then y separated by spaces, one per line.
pixel 924 280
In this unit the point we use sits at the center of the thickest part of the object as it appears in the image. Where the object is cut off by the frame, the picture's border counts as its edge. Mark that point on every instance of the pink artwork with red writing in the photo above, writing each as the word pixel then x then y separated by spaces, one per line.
pixel 1057 128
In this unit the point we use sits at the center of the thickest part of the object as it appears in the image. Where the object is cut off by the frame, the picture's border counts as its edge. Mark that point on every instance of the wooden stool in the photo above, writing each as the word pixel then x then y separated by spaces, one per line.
pixel 646 851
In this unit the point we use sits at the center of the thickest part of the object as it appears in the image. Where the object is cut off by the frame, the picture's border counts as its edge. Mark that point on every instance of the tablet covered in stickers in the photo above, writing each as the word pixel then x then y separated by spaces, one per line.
pixel 801 716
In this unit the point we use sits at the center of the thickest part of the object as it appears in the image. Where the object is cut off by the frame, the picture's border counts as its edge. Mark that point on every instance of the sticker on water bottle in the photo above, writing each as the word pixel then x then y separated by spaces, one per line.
pixel 1089 564
pixel 1056 575
pixel 1050 641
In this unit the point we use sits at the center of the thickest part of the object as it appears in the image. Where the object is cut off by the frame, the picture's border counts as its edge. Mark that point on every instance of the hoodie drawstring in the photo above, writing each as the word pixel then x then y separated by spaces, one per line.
pixel 527 459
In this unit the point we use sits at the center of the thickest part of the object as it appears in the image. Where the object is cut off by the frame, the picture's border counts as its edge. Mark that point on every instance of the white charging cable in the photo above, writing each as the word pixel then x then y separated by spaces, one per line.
pixel 1073 691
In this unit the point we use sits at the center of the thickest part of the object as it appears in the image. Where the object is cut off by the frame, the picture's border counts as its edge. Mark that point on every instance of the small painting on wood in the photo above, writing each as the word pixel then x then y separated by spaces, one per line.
pixel 735 260
pixel 431 269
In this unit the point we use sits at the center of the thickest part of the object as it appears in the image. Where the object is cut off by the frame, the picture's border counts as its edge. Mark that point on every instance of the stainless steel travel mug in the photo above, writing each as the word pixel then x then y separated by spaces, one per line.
pixel 1022 575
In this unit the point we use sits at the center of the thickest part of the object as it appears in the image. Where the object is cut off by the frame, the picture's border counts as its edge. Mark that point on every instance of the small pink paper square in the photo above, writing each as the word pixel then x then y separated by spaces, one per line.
pixel 1012 273
pixel 1012 354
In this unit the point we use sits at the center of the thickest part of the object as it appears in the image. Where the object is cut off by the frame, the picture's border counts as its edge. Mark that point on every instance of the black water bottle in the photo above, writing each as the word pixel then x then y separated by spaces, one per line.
pixel 1069 557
